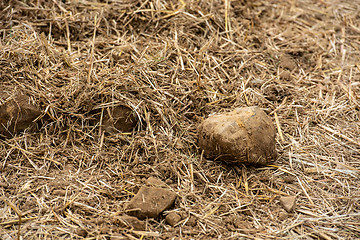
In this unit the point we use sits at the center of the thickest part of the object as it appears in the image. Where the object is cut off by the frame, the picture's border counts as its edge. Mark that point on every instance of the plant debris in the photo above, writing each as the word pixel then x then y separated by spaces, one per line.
pixel 173 218
pixel 172 64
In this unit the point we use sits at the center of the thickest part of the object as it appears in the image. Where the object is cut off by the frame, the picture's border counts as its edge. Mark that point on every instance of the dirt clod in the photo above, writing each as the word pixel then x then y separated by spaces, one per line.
pixel 119 119
pixel 16 115
pixel 287 62
pixel 192 221
pixel 288 203
pixel 282 215
pixel 173 218
pixel 59 192
pixel 150 202
pixel 245 135
pixel 285 75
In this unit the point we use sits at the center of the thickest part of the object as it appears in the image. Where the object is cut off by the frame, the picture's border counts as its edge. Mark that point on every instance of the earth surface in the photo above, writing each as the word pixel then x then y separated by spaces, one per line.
pixel 114 92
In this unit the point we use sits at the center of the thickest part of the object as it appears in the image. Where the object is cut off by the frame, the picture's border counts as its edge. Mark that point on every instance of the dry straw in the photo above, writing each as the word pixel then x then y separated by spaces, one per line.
pixel 174 63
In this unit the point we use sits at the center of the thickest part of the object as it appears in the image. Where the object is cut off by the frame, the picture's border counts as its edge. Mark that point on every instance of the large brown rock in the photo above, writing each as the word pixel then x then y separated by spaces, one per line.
pixel 150 202
pixel 16 115
pixel 245 135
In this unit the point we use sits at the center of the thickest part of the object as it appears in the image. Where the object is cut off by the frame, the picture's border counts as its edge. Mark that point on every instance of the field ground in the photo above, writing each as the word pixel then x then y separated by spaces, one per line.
pixel 174 63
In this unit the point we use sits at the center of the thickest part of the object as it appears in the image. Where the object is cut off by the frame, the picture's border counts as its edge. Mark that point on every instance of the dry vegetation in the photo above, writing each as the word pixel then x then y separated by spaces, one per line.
pixel 174 63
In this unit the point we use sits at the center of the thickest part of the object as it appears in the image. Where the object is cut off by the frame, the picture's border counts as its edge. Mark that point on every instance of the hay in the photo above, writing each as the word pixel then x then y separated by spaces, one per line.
pixel 174 63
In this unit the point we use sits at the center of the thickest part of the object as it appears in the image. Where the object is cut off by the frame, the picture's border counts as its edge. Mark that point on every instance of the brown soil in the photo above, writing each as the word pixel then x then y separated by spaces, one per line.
pixel 171 64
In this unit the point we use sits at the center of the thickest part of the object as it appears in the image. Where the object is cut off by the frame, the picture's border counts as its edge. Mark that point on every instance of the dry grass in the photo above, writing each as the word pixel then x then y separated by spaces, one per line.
pixel 174 63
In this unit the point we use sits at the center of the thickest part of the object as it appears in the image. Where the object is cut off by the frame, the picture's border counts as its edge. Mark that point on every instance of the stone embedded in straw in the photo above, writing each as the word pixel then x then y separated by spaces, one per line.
pixel 245 135
pixel 119 119
pixel 173 218
pixel 16 115
pixel 150 202
pixel 288 203
pixel 287 62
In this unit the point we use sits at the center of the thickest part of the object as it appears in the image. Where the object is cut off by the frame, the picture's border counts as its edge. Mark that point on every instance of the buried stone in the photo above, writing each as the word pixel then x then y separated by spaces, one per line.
pixel 16 115
pixel 119 119
pixel 245 135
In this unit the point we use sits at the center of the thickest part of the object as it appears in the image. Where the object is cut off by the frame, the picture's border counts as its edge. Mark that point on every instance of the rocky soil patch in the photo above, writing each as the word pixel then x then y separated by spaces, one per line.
pixel 113 112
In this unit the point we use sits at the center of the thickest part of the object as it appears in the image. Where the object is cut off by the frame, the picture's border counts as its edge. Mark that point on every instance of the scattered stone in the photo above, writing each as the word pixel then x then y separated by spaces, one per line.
pixel 285 75
pixel 192 221
pixel 173 218
pixel 130 222
pixel 245 135
pixel 155 182
pixel 119 119
pixel 16 115
pixel 287 62
pixel 59 192
pixel 288 203
pixel 150 202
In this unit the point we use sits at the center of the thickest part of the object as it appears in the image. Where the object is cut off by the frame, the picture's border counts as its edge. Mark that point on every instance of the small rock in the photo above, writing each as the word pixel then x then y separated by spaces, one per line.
pixel 245 135
pixel 150 202
pixel 282 215
pixel 192 221
pixel 173 218
pixel 119 119
pixel 155 182
pixel 285 75
pixel 59 192
pixel 16 115
pixel 288 203
pixel 130 222
pixel 287 62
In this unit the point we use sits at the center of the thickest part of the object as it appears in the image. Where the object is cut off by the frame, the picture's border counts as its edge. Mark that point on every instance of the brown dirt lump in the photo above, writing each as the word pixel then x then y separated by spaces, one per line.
pixel 245 135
